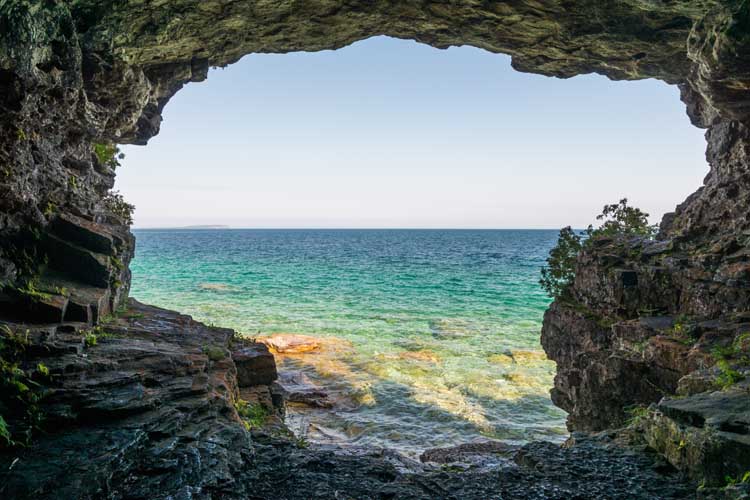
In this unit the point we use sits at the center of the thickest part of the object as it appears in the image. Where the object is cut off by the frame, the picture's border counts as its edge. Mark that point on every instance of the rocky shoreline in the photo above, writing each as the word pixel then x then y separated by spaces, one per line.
pixel 151 410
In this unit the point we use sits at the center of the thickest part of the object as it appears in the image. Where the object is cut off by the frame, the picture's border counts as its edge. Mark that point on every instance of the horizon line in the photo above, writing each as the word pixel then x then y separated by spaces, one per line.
pixel 222 227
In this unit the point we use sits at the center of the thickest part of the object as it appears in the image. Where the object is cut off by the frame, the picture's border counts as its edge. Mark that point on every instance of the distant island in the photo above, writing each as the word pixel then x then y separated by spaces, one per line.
pixel 206 226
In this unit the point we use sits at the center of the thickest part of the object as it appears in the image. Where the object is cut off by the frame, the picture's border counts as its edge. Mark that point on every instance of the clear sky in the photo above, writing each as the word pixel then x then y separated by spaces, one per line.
pixel 390 133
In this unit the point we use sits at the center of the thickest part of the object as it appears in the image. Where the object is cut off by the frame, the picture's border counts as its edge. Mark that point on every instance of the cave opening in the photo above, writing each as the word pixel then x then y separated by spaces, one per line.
pixel 107 397
pixel 423 298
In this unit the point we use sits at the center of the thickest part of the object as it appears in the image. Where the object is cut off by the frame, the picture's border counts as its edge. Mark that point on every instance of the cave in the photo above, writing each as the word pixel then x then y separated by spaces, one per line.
pixel 659 325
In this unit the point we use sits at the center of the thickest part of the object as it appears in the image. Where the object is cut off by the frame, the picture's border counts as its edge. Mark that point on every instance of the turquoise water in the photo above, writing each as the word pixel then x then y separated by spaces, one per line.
pixel 432 335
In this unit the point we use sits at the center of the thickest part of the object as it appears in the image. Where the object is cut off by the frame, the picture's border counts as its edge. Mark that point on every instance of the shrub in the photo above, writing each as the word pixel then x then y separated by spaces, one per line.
pixel 116 204
pixel 619 220
pixel 622 220
pixel 90 339
pixel 108 155
pixel 559 273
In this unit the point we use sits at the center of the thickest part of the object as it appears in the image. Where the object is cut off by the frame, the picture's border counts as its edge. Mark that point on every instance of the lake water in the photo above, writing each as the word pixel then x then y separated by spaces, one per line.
pixel 433 335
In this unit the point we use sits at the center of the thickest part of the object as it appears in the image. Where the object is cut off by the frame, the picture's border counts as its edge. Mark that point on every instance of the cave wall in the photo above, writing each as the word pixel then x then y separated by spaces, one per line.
pixel 79 74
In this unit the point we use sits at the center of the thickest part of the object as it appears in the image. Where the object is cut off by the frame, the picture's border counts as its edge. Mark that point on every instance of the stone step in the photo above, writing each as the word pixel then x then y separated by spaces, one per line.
pixel 35 307
pixel 86 303
pixel 83 233
pixel 79 263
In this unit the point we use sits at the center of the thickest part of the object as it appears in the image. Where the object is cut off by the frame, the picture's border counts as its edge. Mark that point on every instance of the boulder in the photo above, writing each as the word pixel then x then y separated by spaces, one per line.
pixel 255 365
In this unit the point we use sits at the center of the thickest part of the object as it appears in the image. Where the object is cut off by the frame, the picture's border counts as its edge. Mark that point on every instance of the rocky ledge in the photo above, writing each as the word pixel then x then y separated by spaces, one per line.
pixel 155 405
pixel 660 328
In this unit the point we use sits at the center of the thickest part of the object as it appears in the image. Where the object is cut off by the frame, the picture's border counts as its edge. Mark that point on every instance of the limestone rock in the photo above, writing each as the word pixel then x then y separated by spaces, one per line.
pixel 255 365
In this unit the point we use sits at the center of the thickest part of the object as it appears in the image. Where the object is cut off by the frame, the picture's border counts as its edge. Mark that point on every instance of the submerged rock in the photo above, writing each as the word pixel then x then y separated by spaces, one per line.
pixel 523 357
pixel 290 343
pixel 299 389
pixel 447 328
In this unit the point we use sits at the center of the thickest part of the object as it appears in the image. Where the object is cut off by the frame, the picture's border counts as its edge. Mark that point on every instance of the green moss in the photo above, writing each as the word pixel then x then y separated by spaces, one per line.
pixel 636 414
pixel 116 263
pixel 254 415
pixel 50 209
pixel 727 375
pixel 90 339
pixel 214 353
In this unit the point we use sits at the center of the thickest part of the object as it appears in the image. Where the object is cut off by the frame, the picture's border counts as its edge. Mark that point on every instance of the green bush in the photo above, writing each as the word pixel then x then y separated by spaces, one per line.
pixel 108 155
pixel 559 273
pixel 90 339
pixel 116 204
pixel 619 220
pixel 622 220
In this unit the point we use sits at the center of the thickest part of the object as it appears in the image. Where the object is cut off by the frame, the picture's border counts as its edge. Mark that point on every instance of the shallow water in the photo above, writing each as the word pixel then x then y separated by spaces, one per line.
pixel 434 335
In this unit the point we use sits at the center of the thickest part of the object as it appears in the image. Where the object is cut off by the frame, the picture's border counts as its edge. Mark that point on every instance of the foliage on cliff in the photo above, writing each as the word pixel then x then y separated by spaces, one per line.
pixel 108 155
pixel 116 204
pixel 619 220
pixel 20 391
